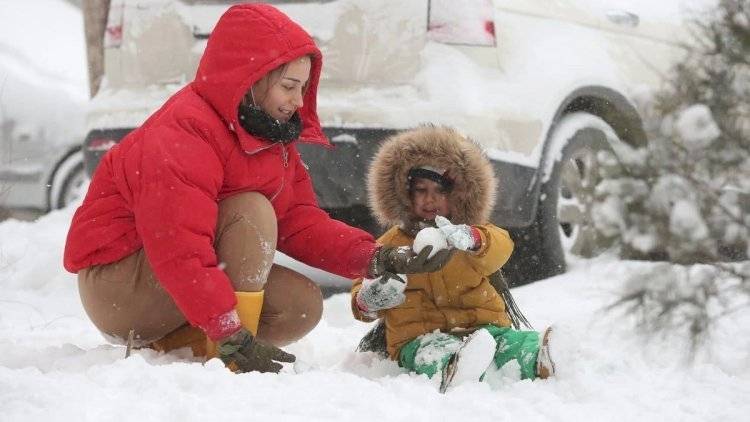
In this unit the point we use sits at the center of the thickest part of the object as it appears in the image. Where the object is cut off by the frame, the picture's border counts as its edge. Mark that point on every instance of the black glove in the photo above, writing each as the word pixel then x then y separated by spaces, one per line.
pixel 249 354
pixel 403 260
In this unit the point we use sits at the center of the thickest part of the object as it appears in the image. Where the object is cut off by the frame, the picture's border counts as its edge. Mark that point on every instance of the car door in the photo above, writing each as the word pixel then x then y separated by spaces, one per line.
pixel 650 34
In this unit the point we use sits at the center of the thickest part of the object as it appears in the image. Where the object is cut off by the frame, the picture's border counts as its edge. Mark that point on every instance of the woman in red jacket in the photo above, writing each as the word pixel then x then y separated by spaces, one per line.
pixel 178 229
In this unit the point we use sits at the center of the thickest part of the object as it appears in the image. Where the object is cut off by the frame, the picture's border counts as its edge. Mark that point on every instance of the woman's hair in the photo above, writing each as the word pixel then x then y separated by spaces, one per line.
pixel 259 91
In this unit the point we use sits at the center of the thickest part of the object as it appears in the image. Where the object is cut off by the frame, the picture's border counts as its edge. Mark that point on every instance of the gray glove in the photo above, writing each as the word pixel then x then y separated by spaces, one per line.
pixel 458 235
pixel 402 260
pixel 249 354
pixel 384 292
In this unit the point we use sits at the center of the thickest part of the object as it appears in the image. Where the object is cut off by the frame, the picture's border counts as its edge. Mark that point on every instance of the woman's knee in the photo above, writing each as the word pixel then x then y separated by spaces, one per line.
pixel 292 307
pixel 246 235
pixel 251 208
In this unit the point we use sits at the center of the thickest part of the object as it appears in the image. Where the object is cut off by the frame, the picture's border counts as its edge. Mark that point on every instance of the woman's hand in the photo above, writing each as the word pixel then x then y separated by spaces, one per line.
pixel 403 260
pixel 248 354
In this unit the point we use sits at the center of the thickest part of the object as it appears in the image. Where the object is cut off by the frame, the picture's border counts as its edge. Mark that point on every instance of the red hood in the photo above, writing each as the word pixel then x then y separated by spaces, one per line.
pixel 249 41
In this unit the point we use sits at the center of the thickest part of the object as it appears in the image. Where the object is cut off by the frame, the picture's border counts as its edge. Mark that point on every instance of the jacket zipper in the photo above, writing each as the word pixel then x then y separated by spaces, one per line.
pixel 284 155
pixel 285 160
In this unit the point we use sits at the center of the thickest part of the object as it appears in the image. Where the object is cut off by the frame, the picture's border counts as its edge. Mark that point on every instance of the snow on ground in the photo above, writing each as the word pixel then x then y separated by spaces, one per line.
pixel 55 366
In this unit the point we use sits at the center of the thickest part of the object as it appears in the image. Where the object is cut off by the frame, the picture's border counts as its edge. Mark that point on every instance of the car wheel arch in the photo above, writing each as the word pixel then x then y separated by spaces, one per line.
pixel 603 102
pixel 54 183
pixel 540 254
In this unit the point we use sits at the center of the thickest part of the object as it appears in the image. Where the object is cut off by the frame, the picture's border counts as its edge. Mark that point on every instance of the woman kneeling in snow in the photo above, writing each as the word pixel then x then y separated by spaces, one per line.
pixel 175 239
pixel 436 187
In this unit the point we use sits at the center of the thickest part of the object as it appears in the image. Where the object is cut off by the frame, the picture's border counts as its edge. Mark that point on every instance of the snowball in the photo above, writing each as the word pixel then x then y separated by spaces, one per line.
pixel 696 127
pixel 430 236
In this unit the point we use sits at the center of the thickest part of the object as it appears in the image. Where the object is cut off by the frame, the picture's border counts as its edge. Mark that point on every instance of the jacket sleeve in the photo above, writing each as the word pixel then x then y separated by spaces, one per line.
pixel 176 175
pixel 309 234
pixel 495 250
pixel 359 315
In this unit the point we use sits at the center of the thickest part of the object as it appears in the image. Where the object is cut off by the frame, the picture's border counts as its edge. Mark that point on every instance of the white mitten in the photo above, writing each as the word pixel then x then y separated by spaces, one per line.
pixel 384 292
pixel 458 235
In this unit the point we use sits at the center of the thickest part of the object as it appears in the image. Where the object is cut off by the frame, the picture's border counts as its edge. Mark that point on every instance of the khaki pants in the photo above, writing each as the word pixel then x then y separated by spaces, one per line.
pixel 126 295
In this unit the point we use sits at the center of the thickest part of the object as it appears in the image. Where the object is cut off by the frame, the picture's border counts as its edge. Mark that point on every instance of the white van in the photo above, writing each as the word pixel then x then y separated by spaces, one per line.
pixel 542 85
pixel 43 96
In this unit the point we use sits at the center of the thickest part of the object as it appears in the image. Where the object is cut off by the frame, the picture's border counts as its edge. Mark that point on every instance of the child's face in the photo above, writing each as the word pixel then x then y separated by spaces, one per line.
pixel 429 199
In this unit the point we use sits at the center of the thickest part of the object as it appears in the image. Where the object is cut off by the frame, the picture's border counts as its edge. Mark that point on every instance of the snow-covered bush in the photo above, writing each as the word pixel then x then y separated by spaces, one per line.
pixel 685 197
pixel 685 300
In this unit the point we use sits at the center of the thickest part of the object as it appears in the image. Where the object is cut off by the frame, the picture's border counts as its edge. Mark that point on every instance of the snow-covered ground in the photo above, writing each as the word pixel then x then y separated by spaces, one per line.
pixel 54 365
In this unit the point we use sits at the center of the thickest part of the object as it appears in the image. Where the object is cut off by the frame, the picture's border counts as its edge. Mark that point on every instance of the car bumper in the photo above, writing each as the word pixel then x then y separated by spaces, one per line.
pixel 339 176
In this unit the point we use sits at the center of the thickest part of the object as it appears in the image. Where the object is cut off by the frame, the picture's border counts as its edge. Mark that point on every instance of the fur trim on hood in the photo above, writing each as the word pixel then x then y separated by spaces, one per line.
pixel 473 195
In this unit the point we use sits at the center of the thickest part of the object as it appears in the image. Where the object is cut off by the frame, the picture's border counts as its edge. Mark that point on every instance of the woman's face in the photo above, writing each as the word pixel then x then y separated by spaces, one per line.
pixel 429 199
pixel 281 91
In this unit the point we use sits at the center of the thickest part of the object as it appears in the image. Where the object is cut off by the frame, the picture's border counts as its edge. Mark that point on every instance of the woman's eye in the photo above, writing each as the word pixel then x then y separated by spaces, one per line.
pixel 288 87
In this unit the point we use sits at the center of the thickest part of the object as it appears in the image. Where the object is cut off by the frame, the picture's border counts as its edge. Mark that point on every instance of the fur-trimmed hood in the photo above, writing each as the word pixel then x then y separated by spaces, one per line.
pixel 473 195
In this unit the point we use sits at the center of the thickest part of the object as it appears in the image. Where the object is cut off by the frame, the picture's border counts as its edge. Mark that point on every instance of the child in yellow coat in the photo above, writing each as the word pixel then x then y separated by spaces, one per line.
pixel 436 186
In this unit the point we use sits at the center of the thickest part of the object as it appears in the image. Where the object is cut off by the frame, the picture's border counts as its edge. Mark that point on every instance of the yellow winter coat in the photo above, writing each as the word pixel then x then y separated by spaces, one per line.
pixel 455 298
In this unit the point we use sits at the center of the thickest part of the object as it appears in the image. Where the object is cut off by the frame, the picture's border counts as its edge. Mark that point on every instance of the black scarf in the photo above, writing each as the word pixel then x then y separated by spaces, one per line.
pixel 260 124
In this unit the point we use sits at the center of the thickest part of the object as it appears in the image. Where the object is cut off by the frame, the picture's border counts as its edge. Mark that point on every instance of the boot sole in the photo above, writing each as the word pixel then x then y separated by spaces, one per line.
pixel 545 366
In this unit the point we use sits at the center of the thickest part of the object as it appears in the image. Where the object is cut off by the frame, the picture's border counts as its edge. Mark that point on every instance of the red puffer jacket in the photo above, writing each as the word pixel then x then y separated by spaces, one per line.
pixel 159 188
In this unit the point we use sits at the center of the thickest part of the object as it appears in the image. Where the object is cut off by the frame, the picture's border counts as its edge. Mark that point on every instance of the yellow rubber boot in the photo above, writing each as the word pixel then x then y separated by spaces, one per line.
pixel 249 305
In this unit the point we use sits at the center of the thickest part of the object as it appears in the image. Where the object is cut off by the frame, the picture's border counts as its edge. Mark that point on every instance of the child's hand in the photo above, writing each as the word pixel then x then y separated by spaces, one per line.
pixel 458 235
pixel 384 292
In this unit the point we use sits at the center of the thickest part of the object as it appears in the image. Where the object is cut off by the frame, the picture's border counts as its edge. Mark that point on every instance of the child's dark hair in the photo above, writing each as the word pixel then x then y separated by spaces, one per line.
pixel 437 175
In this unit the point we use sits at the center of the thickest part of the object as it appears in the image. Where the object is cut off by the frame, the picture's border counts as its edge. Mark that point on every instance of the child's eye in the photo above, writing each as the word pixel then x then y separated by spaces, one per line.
pixel 288 87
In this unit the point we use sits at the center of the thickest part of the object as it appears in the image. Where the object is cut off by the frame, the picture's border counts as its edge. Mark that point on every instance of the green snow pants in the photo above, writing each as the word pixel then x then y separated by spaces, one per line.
pixel 429 353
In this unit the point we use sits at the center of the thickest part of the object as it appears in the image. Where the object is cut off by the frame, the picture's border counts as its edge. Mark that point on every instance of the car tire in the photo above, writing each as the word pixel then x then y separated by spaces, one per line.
pixel 69 182
pixel 564 223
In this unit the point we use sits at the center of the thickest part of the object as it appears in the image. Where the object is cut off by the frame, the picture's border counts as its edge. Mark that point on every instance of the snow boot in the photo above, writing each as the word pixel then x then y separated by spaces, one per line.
pixel 248 308
pixel 184 336
pixel 471 360
pixel 545 367
pixel 374 340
